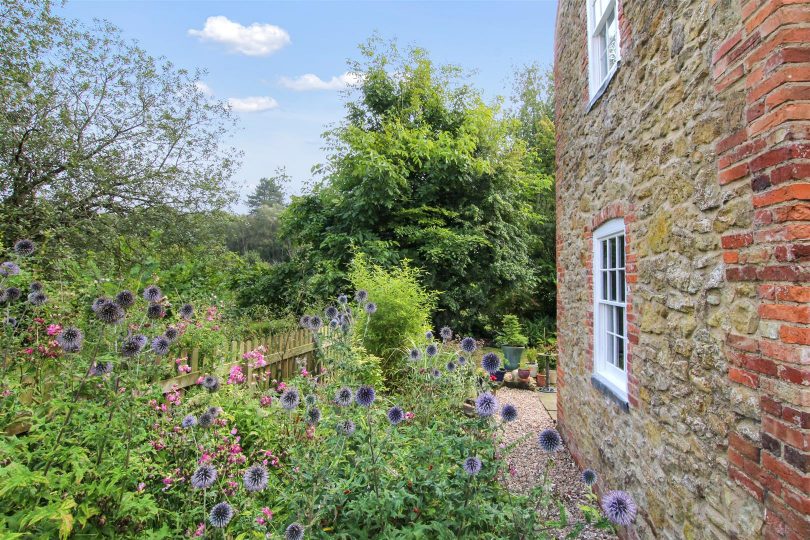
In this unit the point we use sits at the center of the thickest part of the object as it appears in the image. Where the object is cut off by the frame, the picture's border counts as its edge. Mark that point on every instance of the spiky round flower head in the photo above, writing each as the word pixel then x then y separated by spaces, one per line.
pixel 344 396
pixel 361 296
pixel 155 311
pixel 313 416
pixel 125 299
pixel 294 531
pixel 509 413
pixel 311 400
pixel 210 383
pixel 221 514
pixel 428 335
pixel 343 299
pixel 345 327
pixel 205 420
pixel 365 396
pixel 13 293
pixel 315 323
pixel 490 362
pixel 486 404
pixel 8 268
pixel 395 415
pixel 152 293
pixel 37 298
pixel 141 339
pixel 290 398
pixel 461 360
pixel 214 411
pixel 70 337
pixel 468 345
pixel 35 286
pixel 255 478
pixel 436 373
pixel 24 247
pixel 472 465
pixel 187 311
pixel 370 308
pixel 11 322
pixel 446 333
pixel 110 313
pixel 98 302
pixel 98 370
pixel 451 366
pixel 171 333
pixel 619 507
pixel 589 477
pixel 415 354
pixel 431 350
pixel 303 322
pixel 189 421
pixel 549 440
pixel 334 323
pixel 331 312
pixel 160 345
pixel 346 427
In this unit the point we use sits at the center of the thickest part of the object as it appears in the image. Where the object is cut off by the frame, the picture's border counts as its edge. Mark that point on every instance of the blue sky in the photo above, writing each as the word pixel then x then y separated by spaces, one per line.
pixel 262 49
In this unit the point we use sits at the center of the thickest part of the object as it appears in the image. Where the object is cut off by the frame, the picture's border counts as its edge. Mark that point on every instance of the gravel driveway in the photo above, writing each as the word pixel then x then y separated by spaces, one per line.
pixel 528 461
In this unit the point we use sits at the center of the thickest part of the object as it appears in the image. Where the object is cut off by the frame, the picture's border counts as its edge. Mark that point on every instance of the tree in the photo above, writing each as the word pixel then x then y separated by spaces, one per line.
pixel 269 192
pixel 93 126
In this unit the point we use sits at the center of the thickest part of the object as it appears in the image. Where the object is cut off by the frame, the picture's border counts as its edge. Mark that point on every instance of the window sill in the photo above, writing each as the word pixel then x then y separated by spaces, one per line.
pixel 603 86
pixel 609 390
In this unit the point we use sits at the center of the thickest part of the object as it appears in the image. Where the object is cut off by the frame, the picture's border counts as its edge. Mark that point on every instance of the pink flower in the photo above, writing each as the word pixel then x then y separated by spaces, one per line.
pixel 29 350
pixel 54 329
pixel 281 386
pixel 185 368
pixel 304 372
pixel 265 401
pixel 267 512
pixel 168 481
pixel 200 530
pixel 409 416
pixel 260 520
pixel 200 379
pixel 236 376
pixel 141 487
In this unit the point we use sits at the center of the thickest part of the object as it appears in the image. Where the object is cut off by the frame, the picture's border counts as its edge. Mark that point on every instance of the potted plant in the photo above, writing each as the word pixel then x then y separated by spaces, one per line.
pixel 523 370
pixel 531 361
pixel 512 341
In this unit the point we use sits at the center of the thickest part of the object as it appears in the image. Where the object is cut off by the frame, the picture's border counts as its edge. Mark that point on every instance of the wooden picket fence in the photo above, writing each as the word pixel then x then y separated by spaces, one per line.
pixel 282 353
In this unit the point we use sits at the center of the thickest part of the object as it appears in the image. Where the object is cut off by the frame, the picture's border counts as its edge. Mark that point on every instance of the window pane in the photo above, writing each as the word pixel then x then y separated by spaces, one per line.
pixel 610 346
pixel 608 313
pixel 601 47
pixel 612 261
pixel 613 285
pixel 611 48
pixel 620 354
pixel 621 251
pixel 621 286
pixel 619 321
pixel 604 253
pixel 604 285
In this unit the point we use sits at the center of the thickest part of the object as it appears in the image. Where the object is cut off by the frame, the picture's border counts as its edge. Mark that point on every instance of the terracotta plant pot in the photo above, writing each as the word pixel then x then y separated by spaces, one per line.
pixel 541 379
pixel 524 373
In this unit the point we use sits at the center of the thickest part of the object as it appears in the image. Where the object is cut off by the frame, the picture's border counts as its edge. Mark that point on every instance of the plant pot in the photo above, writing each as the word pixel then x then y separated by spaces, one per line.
pixel 552 376
pixel 532 370
pixel 512 356
pixel 499 374
pixel 524 373
pixel 540 378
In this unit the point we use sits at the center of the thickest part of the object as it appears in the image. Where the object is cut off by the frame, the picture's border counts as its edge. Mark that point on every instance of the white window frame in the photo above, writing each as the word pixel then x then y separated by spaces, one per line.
pixel 598 12
pixel 610 348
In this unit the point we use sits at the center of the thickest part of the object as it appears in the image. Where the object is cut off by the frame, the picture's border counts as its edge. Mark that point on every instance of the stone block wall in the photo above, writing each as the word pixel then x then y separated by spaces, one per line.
pixel 701 142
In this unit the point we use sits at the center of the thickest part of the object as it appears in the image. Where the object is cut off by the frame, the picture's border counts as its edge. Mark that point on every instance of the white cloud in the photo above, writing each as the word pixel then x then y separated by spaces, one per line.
pixel 254 40
pixel 204 88
pixel 252 104
pixel 310 81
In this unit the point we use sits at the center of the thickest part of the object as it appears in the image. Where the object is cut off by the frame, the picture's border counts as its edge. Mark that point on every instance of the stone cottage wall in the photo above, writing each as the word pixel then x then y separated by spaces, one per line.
pixel 701 143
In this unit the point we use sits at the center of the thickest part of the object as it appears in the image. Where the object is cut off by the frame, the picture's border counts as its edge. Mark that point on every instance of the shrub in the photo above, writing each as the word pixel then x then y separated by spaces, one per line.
pixel 511 334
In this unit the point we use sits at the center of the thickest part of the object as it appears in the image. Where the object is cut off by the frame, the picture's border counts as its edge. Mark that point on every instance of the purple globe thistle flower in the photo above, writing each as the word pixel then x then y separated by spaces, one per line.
pixel 619 507
pixel 446 333
pixel 141 339
pixel 210 383
pixel 37 298
pixel 69 338
pixel 509 413
pixel 346 427
pixel 255 478
pixel 98 302
pixel 365 396
pixel 451 366
pixel 486 404
pixel 345 327
pixel 343 299
pixel 315 323
pixel 549 440
pixel 205 420
pixel 125 299
pixel 331 312
pixel 490 362
pixel 461 360
pixel 110 313
pixel 303 322
pixel 313 416
pixel 472 465
pixel 395 415
pixel 589 477
pixel 468 345
pixel 221 514
pixel 371 308
pixel 294 531
pixel 436 373
pixel 428 335
pixel 8 268
pixel 171 333
pixel 344 396
pixel 290 399
pixel 334 323
pixel 35 286
pixel 361 296
pixel 152 293
pixel 431 350
pixel 187 311
pixel 311 400
pixel 11 321
pixel 24 247
pixel 155 311
pixel 13 293
pixel 99 370
pixel 160 345
pixel 189 421
pixel 415 354
pixel 214 411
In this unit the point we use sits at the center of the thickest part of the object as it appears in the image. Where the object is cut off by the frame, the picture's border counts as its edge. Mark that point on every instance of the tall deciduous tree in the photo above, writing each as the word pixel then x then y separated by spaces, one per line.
pixel 92 126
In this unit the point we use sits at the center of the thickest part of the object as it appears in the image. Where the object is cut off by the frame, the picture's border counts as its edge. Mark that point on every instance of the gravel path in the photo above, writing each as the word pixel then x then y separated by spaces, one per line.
pixel 528 462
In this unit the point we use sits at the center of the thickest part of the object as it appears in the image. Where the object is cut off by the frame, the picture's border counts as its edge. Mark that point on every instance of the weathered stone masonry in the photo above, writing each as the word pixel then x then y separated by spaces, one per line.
pixel 701 142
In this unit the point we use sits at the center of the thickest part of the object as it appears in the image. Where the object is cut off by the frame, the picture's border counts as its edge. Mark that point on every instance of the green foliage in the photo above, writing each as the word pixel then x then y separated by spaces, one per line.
pixel 403 311
pixel 510 333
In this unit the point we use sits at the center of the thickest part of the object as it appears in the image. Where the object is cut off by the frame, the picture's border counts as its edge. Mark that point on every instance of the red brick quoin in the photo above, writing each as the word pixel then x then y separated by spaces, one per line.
pixel 767 160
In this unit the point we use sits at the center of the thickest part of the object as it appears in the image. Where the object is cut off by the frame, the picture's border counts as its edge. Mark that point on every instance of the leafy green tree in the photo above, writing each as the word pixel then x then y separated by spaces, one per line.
pixel 93 127
pixel 269 192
